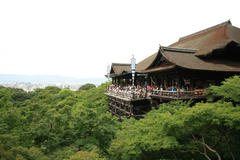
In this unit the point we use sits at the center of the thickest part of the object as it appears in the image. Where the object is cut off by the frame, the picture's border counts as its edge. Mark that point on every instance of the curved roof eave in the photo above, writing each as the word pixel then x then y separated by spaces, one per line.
pixel 190 61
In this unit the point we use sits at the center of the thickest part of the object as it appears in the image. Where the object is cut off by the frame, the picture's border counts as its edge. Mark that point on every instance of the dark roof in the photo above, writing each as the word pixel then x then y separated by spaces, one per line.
pixel 191 51
pixel 119 68
pixel 207 40
pixel 159 68
pixel 174 49
pixel 144 64
pixel 187 51
pixel 190 61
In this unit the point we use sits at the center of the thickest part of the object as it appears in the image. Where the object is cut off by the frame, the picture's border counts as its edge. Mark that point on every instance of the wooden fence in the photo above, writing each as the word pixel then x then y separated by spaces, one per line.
pixel 197 93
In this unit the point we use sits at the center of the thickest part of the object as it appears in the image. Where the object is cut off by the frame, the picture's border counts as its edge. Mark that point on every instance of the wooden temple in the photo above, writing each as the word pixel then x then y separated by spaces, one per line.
pixel 181 71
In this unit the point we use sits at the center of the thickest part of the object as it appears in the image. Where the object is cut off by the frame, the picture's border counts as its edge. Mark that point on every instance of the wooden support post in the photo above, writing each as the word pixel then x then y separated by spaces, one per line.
pixel 131 110
pixel 165 84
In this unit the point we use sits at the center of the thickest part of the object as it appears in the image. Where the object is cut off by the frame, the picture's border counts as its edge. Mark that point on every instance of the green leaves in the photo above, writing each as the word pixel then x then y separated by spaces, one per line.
pixel 228 91
pixel 93 127
pixel 55 123
pixel 87 86
pixel 178 130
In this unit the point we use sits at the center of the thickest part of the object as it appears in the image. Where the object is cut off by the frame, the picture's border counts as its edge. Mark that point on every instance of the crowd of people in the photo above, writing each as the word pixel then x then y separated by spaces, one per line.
pixel 141 91
pixel 137 91
pixel 128 90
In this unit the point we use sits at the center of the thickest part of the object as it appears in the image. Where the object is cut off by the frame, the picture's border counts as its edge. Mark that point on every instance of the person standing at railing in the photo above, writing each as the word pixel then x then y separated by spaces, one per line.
pixel 174 88
pixel 149 90
pixel 149 87
pixel 169 89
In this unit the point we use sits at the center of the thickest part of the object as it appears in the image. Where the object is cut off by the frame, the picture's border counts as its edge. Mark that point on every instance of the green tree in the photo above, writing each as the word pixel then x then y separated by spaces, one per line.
pixel 86 155
pixel 5 155
pixel 205 131
pixel 5 98
pixel 228 91
pixel 87 86
pixel 19 96
pixel 93 128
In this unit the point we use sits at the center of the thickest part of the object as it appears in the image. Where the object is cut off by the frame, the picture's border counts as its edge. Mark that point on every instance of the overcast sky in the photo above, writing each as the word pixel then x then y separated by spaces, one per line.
pixel 78 38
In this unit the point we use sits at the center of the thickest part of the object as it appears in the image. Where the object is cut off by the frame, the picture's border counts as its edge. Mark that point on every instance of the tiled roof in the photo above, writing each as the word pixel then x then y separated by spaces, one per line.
pixel 187 52
pixel 119 68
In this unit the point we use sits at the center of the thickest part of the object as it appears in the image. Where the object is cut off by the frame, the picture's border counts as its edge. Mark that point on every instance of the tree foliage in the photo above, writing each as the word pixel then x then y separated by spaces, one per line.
pixel 87 86
pixel 54 123
pixel 229 90
pixel 209 130
pixel 61 124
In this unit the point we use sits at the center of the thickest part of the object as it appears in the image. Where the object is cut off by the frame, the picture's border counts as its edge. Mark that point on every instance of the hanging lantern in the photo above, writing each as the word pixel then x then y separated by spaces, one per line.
pixel 108 72
pixel 133 68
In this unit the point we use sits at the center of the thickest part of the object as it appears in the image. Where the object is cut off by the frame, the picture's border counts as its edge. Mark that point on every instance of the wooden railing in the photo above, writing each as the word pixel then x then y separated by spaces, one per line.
pixel 128 94
pixel 197 93
pixel 123 94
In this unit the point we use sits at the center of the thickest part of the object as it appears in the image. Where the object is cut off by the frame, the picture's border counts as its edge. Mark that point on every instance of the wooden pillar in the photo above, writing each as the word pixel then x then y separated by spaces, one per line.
pixel 191 84
pixel 178 83
pixel 165 83
pixel 113 80
pixel 131 110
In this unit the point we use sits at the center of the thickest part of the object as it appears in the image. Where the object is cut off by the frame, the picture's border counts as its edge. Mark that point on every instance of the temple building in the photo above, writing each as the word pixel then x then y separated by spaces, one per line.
pixel 180 71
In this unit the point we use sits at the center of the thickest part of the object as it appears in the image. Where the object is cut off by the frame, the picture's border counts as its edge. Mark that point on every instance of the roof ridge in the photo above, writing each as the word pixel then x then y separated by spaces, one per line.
pixel 205 30
pixel 123 64
pixel 177 49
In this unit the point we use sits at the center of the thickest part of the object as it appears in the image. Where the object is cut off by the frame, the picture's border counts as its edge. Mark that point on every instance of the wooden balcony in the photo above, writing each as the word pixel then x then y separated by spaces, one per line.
pixel 135 103
pixel 178 95
pixel 161 94
pixel 127 95
pixel 126 103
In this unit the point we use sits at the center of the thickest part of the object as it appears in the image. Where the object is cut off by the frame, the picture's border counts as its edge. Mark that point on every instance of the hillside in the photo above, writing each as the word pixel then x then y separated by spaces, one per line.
pixel 60 124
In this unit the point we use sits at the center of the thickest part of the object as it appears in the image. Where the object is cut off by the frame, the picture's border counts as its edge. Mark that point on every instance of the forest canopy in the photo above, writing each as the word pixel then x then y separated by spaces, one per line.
pixel 87 86
pixel 61 124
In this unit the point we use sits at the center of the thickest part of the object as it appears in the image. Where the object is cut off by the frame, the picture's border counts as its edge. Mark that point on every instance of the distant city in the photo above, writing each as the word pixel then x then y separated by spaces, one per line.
pixel 31 82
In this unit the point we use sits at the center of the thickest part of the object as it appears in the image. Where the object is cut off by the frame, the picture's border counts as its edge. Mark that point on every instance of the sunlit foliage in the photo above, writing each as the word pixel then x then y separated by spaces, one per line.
pixel 60 124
